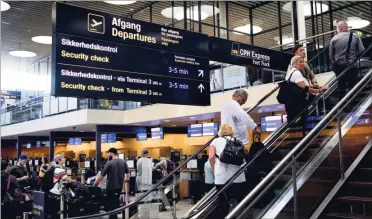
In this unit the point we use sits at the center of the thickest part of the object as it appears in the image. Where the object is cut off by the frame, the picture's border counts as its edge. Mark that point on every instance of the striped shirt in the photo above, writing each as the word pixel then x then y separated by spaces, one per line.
pixel 338 47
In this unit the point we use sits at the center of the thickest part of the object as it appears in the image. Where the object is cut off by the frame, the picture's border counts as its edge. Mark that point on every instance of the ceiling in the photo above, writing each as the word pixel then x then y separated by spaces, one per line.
pixel 26 19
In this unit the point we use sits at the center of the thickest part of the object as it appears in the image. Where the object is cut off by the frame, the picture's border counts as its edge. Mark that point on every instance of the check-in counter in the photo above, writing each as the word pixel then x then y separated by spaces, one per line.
pixel 191 185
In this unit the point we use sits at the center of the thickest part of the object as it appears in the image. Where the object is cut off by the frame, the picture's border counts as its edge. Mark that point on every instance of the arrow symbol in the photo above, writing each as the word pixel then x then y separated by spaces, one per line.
pixel 201 87
pixel 201 73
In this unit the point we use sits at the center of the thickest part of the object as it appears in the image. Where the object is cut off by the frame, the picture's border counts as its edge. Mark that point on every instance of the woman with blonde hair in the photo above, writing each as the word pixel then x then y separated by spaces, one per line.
pixel 302 96
pixel 223 172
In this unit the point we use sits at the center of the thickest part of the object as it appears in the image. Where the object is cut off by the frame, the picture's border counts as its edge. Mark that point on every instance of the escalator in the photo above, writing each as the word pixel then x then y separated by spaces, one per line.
pixel 309 171
pixel 279 143
pixel 282 142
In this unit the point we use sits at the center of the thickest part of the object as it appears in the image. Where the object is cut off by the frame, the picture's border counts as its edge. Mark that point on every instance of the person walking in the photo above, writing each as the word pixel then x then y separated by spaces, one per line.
pixel 116 170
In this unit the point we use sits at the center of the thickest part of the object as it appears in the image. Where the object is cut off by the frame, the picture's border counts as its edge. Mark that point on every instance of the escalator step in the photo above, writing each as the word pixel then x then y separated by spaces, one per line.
pixel 356 199
pixel 348 216
pixel 361 183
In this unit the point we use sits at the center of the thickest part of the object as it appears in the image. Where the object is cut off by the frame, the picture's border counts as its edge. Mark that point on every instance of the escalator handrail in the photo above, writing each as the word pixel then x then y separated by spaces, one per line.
pixel 316 131
pixel 273 136
pixel 153 188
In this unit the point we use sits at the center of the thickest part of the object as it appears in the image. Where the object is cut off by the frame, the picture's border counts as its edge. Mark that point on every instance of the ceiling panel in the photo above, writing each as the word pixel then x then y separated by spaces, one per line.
pixel 26 19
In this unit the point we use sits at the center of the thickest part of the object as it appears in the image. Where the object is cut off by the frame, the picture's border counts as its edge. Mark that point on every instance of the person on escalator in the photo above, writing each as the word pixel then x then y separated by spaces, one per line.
pixel 301 95
pixel 307 72
pixel 233 114
pixel 344 48
pixel 223 171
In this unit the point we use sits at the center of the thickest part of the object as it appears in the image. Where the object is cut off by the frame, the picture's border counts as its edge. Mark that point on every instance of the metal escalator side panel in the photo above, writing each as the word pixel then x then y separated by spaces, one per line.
pixel 311 166
pixel 341 182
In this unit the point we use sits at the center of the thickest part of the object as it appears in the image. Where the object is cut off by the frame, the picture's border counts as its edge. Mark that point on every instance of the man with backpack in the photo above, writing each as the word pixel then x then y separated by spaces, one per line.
pixel 55 176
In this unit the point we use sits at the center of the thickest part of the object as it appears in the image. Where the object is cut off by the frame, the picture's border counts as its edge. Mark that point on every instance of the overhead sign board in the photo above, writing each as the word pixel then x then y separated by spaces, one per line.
pixel 115 28
pixel 244 54
pixel 8 94
pixel 119 69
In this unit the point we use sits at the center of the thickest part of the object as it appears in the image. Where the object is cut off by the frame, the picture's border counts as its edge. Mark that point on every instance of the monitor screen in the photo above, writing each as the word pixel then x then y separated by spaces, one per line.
pixel 130 164
pixel 87 164
pixel 192 164
pixel 210 129
pixel 111 137
pixel 28 145
pixel 121 156
pixel 141 137
pixel 78 141
pixel 195 130
pixel 103 138
pixel 157 133
pixel 71 141
pixel 270 123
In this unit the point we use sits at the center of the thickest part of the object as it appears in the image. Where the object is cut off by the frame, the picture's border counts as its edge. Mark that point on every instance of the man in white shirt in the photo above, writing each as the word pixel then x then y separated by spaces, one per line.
pixel 233 114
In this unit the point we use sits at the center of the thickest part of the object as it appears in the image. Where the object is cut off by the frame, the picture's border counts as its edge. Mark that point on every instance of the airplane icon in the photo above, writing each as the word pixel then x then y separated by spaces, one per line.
pixel 95 23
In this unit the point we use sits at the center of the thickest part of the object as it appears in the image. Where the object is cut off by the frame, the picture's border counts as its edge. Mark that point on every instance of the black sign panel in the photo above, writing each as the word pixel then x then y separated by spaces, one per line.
pixel 99 69
pixel 244 54
pixel 93 24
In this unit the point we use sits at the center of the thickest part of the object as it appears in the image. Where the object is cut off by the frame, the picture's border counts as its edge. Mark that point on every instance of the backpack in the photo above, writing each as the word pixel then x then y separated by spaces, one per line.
pixel 233 153
pixel 47 181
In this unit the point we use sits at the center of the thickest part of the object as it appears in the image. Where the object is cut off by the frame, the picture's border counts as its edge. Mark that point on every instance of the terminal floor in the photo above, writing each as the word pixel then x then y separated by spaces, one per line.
pixel 182 208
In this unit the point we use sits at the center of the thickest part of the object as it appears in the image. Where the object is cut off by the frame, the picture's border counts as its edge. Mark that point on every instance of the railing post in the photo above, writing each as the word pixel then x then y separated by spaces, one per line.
pixel 174 195
pixel 340 145
pixel 294 187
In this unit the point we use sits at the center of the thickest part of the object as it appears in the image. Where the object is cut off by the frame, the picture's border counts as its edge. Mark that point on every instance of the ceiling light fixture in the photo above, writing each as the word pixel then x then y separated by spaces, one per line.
pixel 120 2
pixel 174 125
pixel 307 8
pixel 285 39
pixel 192 117
pixel 22 53
pixel 247 29
pixel 4 6
pixel 192 12
pixel 357 22
pixel 167 120
pixel 42 39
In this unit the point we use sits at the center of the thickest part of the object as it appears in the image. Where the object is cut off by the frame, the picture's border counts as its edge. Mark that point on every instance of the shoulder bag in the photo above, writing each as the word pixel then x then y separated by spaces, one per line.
pixel 289 91
pixel 342 63
pixel 8 197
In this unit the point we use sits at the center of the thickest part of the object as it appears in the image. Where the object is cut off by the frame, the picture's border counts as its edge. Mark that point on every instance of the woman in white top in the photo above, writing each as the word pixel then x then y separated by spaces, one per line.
pixel 223 172
pixel 295 107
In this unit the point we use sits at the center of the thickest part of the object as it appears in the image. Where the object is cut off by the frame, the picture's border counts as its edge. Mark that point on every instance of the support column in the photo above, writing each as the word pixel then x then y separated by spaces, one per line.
pixel 298 21
pixel 98 148
pixel 20 142
pixel 52 140
pixel 223 20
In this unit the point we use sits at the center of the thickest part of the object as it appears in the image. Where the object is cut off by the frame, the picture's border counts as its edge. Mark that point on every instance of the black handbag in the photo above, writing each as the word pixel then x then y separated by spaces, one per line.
pixel 289 91
pixel 342 63
pixel 8 198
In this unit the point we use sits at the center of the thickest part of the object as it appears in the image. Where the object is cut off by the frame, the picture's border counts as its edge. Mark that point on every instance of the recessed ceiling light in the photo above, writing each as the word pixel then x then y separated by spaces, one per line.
pixel 307 8
pixel 192 12
pixel 120 2
pixel 22 53
pixel 192 117
pixel 167 120
pixel 174 125
pixel 42 39
pixel 285 39
pixel 357 22
pixel 247 29
pixel 4 6
pixel 136 124
pixel 81 131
